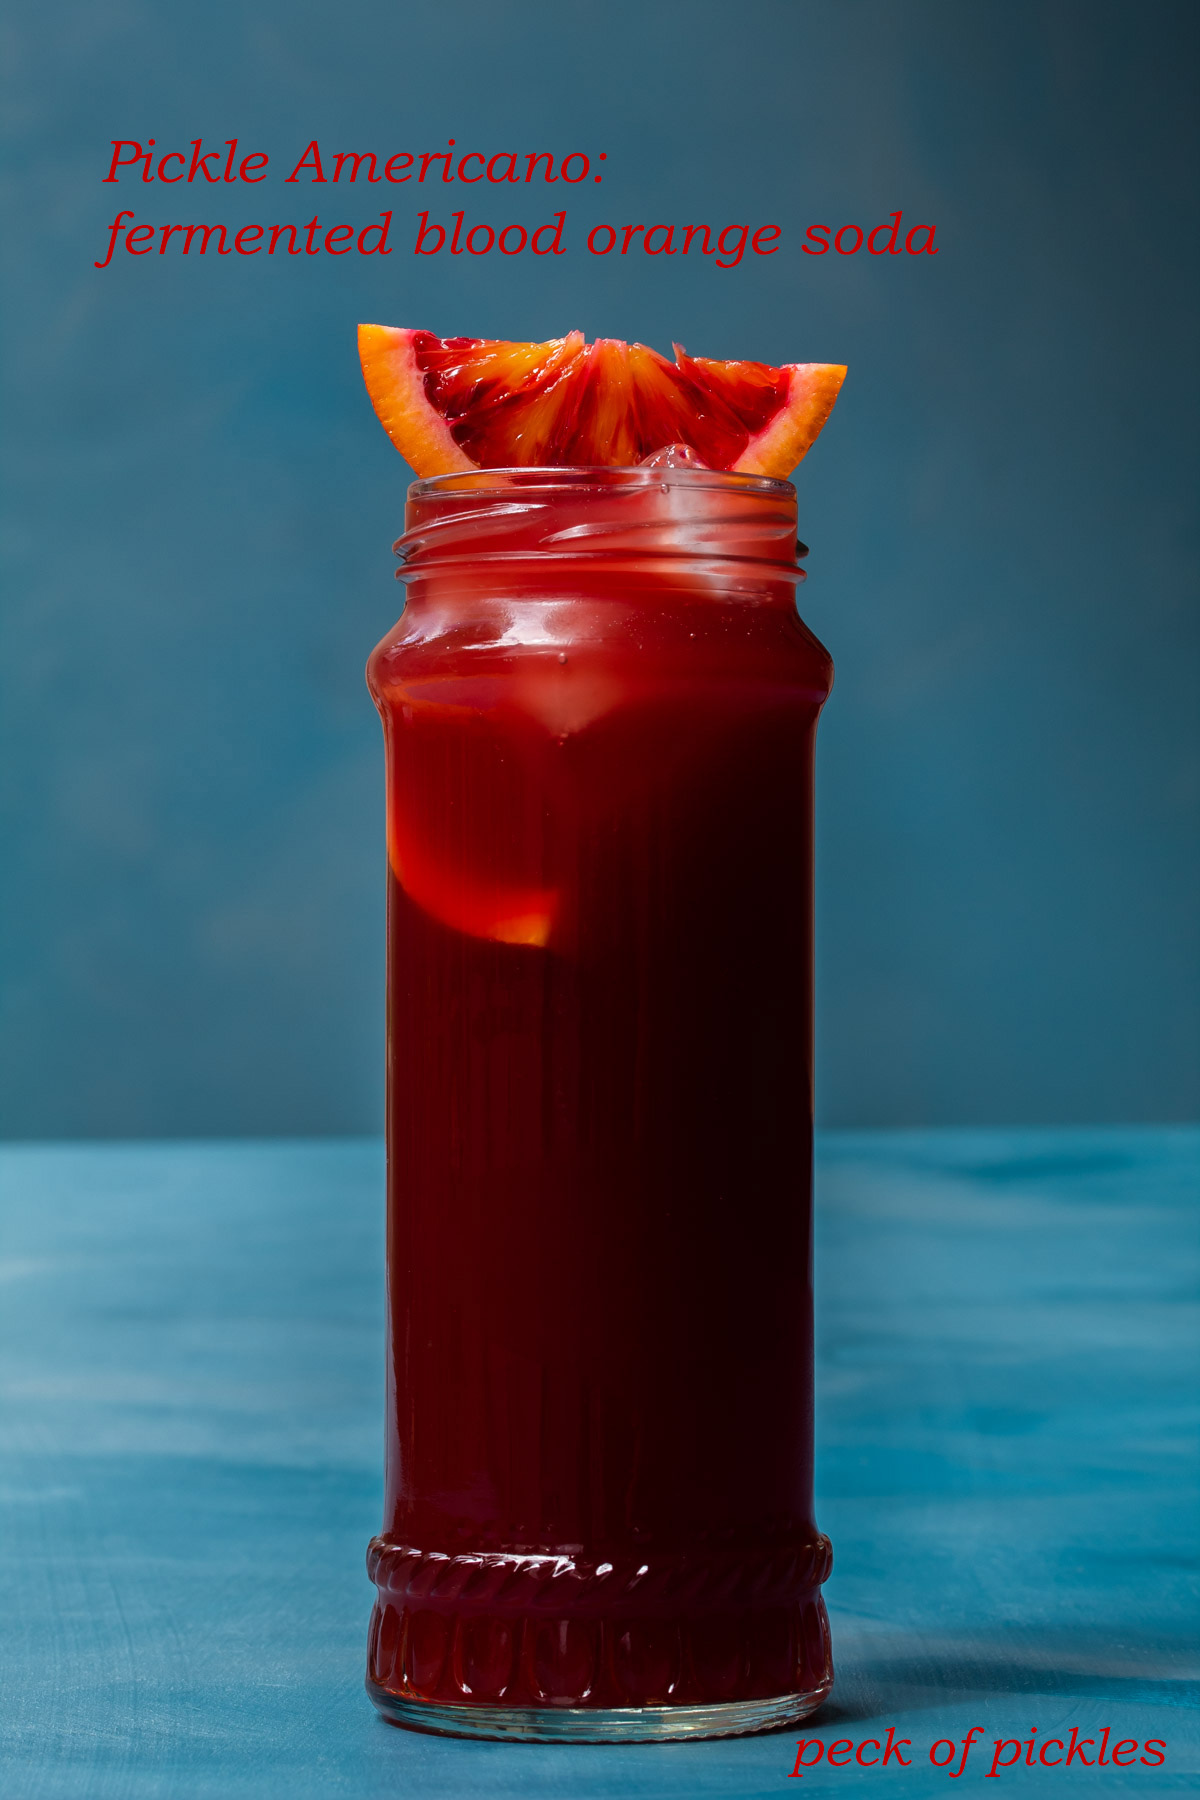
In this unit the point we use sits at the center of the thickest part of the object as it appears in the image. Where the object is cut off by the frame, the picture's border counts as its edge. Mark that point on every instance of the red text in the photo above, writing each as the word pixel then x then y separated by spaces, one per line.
pixel 249 240
pixel 884 240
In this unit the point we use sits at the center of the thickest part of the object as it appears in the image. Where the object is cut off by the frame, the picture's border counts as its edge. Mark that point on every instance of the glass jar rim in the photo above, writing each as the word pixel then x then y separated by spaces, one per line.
pixel 578 478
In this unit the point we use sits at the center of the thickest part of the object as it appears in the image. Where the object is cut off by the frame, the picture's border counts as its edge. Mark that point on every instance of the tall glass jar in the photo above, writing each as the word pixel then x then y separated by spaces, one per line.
pixel 599 708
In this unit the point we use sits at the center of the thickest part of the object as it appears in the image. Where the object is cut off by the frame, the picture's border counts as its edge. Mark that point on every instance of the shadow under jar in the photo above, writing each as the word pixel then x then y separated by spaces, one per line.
pixel 599 708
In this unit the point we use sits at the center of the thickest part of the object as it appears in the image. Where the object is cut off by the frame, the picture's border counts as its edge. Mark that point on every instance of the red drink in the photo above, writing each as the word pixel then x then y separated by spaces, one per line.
pixel 599 707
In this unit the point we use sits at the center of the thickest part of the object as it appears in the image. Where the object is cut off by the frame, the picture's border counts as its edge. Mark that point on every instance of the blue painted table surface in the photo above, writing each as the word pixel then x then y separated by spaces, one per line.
pixel 192 1404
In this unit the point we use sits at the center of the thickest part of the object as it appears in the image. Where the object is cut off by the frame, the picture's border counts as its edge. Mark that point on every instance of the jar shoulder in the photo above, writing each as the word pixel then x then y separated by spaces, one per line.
pixel 705 643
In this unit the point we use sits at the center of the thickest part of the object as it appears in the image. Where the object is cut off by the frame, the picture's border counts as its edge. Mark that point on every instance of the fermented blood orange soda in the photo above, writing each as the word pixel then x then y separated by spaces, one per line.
pixel 599 708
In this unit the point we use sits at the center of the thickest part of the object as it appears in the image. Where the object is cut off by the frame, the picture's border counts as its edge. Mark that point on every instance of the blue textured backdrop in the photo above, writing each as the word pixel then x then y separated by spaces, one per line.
pixel 200 506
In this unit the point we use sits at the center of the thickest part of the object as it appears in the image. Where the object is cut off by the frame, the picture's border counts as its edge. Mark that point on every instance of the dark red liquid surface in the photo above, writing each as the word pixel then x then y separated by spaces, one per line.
pixel 599 825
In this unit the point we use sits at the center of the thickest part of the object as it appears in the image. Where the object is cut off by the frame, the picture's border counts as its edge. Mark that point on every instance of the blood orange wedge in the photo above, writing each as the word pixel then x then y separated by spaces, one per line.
pixel 451 404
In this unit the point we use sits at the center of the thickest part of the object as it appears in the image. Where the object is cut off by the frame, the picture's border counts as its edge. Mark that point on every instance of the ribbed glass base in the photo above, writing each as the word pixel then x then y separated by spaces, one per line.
pixel 599 1725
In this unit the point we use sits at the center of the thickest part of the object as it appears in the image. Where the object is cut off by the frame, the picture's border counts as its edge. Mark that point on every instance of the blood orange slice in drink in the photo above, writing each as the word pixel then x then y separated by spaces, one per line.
pixel 453 404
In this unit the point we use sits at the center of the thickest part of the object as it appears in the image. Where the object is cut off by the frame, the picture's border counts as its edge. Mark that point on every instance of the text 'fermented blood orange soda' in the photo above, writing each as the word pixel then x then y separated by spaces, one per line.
pixel 599 708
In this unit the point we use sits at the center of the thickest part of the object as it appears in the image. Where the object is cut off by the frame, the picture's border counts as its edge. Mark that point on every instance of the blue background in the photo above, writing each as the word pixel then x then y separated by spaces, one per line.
pixel 200 506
